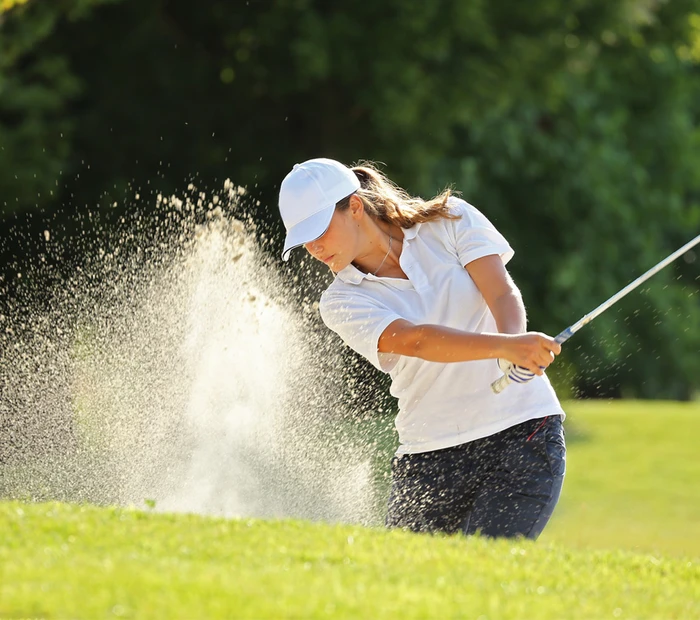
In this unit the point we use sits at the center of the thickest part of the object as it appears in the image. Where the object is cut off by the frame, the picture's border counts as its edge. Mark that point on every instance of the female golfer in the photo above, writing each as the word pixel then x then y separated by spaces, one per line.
pixel 421 291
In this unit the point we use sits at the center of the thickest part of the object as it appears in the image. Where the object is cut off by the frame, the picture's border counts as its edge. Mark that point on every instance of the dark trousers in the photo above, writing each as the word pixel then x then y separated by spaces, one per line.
pixel 505 485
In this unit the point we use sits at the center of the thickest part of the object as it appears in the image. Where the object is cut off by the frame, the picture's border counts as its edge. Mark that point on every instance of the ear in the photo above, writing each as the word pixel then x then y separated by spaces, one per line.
pixel 356 207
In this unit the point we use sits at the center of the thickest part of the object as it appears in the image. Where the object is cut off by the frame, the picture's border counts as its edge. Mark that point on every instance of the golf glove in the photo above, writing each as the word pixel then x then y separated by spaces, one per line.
pixel 517 374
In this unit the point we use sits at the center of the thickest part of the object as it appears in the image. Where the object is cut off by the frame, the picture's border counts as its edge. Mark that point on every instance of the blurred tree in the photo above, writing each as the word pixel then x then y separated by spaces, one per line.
pixel 572 124
pixel 6 5
pixel 607 170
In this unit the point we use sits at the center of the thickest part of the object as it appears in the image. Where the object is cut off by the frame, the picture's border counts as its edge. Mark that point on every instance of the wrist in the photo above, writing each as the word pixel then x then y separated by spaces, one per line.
pixel 502 346
pixel 499 346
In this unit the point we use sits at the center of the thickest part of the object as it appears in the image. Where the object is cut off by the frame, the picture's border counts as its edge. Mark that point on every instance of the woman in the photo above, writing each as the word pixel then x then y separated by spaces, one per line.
pixel 421 291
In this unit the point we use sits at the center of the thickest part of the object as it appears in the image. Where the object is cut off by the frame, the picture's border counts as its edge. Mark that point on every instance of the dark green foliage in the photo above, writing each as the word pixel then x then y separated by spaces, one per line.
pixel 572 124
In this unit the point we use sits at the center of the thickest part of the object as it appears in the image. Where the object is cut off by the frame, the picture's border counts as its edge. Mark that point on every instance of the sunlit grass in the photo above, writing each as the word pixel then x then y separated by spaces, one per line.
pixel 88 562
pixel 633 476
pixel 624 542
pixel 632 479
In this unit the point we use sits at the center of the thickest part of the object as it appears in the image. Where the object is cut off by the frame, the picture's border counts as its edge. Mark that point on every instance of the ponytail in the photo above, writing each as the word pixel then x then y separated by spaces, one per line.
pixel 386 201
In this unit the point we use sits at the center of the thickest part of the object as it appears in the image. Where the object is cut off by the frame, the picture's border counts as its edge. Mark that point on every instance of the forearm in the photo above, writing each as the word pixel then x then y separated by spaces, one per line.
pixel 509 312
pixel 435 343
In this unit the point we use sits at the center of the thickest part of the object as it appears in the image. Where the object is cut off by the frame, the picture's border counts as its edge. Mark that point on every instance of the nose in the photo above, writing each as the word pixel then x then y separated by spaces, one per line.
pixel 313 247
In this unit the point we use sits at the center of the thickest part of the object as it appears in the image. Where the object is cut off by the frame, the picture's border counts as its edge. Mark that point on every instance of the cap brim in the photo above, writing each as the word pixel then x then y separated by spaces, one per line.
pixel 307 230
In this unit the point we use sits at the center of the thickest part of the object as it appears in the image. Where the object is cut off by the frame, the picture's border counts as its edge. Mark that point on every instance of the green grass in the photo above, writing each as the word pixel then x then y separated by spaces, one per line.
pixel 623 543
pixel 633 478
pixel 62 561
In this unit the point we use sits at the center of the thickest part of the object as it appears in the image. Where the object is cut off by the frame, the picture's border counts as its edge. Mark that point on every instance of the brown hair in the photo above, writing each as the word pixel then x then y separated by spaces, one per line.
pixel 386 201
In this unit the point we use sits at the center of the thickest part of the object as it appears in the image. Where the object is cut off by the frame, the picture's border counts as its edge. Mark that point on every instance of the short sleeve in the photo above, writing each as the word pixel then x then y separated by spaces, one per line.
pixel 475 236
pixel 359 320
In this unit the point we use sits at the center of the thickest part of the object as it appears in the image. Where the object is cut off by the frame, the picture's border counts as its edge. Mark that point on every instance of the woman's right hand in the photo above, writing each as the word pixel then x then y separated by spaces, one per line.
pixel 532 350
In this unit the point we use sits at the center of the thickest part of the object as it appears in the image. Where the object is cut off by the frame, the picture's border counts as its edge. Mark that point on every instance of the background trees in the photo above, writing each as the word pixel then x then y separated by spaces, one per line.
pixel 571 124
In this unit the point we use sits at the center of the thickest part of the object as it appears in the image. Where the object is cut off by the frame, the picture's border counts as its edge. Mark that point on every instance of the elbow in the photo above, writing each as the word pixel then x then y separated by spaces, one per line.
pixel 512 296
pixel 408 339
pixel 509 312
pixel 416 341
pixel 425 343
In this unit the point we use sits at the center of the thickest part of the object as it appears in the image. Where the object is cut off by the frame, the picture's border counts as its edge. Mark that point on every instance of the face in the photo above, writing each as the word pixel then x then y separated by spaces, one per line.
pixel 337 247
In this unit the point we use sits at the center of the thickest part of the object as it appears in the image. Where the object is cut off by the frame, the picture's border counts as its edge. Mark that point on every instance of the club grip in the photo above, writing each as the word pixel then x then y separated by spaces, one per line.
pixel 564 336
pixel 503 382
pixel 500 384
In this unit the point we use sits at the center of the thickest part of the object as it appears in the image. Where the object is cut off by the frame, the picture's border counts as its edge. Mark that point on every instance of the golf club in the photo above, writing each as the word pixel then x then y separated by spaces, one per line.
pixel 501 384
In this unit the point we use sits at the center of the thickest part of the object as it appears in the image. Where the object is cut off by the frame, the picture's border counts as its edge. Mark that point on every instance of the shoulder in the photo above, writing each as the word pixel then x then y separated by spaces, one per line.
pixel 336 289
pixel 344 300
pixel 464 217
pixel 339 296
pixel 342 293
pixel 473 235
pixel 462 209
pixel 457 205
pixel 470 219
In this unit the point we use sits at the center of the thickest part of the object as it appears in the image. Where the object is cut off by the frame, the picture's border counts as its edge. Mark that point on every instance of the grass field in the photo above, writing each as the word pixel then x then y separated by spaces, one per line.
pixel 624 543
pixel 62 561
pixel 633 478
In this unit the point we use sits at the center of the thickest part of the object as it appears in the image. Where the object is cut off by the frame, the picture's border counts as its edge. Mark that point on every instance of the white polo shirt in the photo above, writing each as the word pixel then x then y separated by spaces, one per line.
pixel 440 405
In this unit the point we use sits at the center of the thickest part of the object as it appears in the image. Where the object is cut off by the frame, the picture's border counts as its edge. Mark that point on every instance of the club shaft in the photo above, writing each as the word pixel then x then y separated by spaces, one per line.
pixel 502 383
pixel 572 329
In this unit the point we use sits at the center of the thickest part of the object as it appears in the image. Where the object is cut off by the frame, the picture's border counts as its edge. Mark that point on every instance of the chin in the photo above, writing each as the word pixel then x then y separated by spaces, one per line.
pixel 336 266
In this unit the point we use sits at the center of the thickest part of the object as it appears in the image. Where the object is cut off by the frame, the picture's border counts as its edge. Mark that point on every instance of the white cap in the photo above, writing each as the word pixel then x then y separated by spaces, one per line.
pixel 308 196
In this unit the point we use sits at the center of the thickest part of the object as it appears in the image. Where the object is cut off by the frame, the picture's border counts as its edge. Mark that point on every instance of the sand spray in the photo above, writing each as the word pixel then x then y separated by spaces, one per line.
pixel 172 367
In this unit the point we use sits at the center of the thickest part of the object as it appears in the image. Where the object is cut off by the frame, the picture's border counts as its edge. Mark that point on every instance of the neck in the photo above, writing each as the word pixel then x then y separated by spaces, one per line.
pixel 381 249
pixel 374 273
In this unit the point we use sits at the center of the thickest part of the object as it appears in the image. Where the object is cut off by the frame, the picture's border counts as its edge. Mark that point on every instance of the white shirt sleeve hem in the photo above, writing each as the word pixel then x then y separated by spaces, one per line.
pixel 384 361
pixel 504 251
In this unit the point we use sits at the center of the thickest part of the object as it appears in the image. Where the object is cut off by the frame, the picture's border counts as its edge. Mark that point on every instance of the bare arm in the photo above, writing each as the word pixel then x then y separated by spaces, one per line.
pixel 435 343
pixel 502 296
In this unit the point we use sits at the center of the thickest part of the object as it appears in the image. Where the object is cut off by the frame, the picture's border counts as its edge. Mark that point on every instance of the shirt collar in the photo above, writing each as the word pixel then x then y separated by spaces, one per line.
pixel 410 233
pixel 352 275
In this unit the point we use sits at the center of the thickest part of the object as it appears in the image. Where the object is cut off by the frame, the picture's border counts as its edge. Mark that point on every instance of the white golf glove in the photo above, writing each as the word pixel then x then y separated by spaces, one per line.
pixel 517 374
